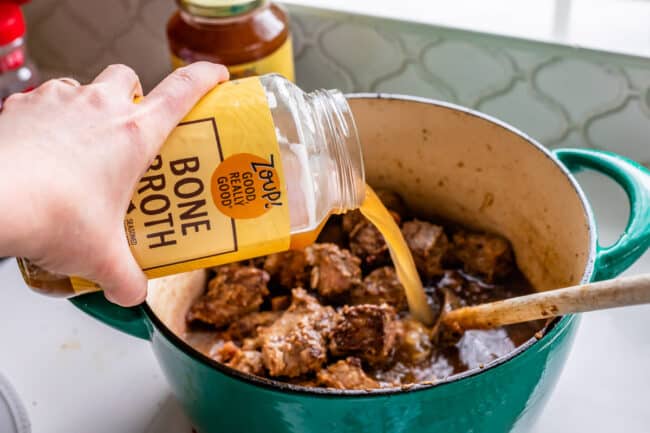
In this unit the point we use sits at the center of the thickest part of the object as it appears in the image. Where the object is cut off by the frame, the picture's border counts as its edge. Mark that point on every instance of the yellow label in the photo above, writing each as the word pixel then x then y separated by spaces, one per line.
pixel 216 193
pixel 280 62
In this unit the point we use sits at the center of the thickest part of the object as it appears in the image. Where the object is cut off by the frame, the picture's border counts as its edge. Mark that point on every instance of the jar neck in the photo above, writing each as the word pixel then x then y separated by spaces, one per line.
pixel 209 10
pixel 333 116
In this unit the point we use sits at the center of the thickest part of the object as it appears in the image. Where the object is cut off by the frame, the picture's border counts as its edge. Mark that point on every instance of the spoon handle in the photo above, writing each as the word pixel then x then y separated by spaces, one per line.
pixel 617 292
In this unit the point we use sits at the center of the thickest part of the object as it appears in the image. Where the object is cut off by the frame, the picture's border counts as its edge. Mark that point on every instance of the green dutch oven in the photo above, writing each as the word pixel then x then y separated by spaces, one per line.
pixel 453 163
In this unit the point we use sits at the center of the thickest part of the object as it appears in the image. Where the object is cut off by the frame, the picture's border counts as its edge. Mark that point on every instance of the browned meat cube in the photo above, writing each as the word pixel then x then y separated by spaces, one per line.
pixel 279 303
pixel 365 240
pixel 367 243
pixel 351 219
pixel 428 243
pixel 335 271
pixel 415 342
pixel 296 344
pixel 235 291
pixel 484 254
pixel 247 326
pixel 288 268
pixel 366 331
pixel 467 290
pixel 246 361
pixel 301 300
pixel 381 286
pixel 346 374
pixel 392 201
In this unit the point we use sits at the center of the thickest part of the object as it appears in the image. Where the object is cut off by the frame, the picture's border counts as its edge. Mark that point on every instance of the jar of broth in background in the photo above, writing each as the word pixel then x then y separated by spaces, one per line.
pixel 250 37
pixel 256 167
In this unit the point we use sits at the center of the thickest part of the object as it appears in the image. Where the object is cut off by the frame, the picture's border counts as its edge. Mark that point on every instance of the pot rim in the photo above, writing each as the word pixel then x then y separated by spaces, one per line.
pixel 552 329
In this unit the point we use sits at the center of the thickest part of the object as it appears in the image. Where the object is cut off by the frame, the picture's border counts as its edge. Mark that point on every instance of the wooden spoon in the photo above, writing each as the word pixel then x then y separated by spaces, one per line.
pixel 617 292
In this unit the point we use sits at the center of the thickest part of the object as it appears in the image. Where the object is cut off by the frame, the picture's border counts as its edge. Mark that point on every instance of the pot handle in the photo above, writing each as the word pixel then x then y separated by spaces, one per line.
pixel 132 321
pixel 635 181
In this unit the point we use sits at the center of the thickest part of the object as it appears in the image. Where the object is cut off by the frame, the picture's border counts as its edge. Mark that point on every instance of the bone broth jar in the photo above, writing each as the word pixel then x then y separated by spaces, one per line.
pixel 250 37
pixel 256 167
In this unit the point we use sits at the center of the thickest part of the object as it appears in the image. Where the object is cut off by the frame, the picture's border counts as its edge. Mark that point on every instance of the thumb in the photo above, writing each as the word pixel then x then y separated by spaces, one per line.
pixel 119 274
pixel 164 107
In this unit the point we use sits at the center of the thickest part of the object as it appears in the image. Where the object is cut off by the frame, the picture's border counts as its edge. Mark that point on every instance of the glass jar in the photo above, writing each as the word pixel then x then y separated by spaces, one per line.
pixel 321 173
pixel 250 37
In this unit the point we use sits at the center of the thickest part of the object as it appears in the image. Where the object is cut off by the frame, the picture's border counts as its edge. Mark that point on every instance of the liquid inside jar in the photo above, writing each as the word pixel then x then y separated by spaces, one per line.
pixel 45 282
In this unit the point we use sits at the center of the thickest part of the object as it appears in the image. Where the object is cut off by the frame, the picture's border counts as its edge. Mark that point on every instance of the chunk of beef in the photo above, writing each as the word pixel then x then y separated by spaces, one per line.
pixel 235 291
pixel 296 344
pixel 483 254
pixel 469 290
pixel 346 374
pixel 279 303
pixel 334 270
pixel 381 286
pixel 366 331
pixel 289 268
pixel 246 361
pixel 428 244
pixel 351 219
pixel 365 240
pixel 367 243
pixel 303 301
pixel 392 201
pixel 247 326
pixel 415 342
pixel 253 343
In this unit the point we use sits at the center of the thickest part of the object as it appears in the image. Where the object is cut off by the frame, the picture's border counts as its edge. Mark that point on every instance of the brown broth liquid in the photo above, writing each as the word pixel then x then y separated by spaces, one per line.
pixel 45 282
pixel 474 349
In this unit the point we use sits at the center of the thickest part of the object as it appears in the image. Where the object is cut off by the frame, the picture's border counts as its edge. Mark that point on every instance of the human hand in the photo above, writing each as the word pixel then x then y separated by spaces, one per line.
pixel 70 157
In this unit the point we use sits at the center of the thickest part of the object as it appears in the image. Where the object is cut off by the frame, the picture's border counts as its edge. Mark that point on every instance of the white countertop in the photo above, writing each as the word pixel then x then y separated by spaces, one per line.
pixel 76 375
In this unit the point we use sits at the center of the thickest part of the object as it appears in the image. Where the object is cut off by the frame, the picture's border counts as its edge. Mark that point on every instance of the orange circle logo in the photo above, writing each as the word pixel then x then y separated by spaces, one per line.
pixel 246 186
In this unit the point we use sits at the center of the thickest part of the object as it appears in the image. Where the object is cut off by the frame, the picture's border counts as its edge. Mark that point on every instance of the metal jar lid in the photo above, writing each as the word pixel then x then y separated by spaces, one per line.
pixel 218 8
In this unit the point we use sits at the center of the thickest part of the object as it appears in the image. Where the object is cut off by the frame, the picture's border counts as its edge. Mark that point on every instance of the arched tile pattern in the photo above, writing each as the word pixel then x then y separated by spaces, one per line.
pixel 563 96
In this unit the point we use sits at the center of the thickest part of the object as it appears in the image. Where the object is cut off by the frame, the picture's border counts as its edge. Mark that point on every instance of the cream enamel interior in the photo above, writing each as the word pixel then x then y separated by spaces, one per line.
pixel 171 297
pixel 458 166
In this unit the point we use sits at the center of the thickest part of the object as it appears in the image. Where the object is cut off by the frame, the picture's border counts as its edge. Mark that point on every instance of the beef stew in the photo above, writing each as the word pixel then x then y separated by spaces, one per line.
pixel 335 315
